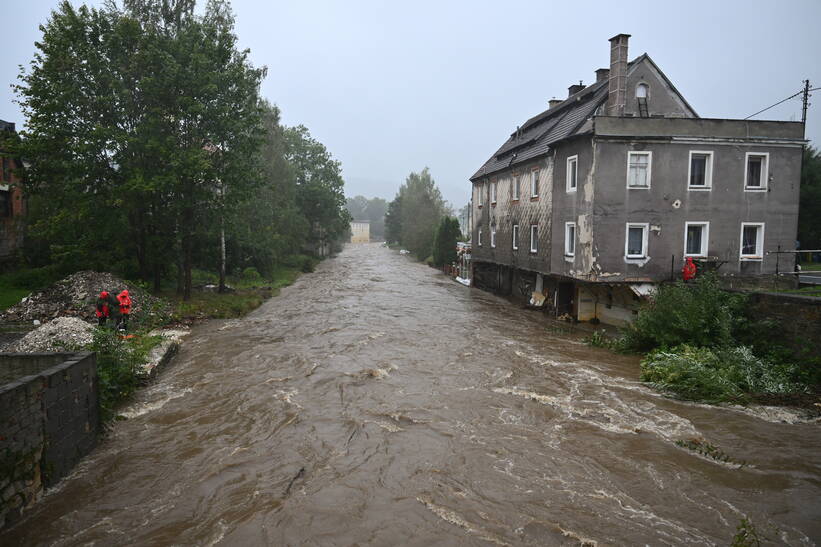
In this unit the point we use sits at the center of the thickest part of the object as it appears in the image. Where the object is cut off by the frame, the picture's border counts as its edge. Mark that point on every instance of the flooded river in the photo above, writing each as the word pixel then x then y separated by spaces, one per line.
pixel 376 402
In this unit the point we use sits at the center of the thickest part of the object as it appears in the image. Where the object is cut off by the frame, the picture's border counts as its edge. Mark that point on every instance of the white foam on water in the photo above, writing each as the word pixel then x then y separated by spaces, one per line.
pixel 142 408
pixel 454 518
pixel 612 414
pixel 286 395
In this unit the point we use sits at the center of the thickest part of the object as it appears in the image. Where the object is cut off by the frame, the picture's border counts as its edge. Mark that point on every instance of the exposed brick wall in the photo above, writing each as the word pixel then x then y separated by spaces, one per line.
pixel 49 419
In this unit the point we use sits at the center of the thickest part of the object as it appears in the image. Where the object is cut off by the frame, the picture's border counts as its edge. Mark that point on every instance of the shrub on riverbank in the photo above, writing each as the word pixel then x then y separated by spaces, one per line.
pixel 119 362
pixel 725 374
pixel 702 346
pixel 698 314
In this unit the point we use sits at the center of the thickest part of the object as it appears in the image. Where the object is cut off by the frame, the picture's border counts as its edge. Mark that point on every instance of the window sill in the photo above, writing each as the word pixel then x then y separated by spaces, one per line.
pixel 695 256
pixel 638 187
pixel 493 204
pixel 751 258
pixel 699 188
pixel 514 200
pixel 571 190
pixel 641 261
pixel 534 198
pixel 754 189
pixel 480 206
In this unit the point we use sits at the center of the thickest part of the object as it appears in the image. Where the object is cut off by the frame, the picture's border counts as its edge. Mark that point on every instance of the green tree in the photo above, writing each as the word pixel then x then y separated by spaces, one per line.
pixel 444 242
pixel 141 124
pixel 320 193
pixel 414 214
pixel 809 210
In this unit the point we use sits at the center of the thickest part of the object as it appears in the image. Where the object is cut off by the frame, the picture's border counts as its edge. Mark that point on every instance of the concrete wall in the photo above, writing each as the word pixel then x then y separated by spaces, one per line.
pixel 668 204
pixel 661 98
pixel 49 419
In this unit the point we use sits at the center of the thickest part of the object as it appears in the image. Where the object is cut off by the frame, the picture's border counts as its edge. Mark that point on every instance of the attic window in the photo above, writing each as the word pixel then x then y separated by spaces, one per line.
pixel 642 90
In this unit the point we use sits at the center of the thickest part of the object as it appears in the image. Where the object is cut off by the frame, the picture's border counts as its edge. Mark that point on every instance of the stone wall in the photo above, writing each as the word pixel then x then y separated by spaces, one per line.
pixel 798 319
pixel 49 419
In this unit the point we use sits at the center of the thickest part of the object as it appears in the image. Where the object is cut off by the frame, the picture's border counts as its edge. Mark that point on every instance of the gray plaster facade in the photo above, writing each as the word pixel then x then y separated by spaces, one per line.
pixel 630 182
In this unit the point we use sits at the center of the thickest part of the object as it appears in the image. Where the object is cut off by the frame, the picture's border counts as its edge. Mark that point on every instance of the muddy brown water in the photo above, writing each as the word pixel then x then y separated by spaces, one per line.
pixel 376 402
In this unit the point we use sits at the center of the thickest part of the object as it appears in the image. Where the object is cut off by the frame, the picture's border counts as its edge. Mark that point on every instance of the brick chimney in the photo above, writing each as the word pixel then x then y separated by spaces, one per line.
pixel 617 95
pixel 602 74
pixel 575 88
pixel 553 102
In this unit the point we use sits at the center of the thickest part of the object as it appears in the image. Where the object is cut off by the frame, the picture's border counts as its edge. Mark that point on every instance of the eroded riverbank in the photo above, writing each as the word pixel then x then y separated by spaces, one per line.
pixel 377 402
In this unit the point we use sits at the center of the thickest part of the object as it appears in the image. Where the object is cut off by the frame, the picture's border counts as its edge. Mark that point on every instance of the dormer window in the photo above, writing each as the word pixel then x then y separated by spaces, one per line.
pixel 642 90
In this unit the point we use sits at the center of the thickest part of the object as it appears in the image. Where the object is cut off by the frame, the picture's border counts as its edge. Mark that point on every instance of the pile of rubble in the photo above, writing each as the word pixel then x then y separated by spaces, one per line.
pixel 63 333
pixel 76 296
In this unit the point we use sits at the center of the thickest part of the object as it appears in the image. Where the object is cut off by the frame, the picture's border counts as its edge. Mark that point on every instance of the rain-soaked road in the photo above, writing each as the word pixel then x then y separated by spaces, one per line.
pixel 375 402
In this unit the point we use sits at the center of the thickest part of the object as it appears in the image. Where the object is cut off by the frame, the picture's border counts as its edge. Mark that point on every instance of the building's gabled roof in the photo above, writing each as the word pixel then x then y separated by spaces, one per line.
pixel 567 119
pixel 6 126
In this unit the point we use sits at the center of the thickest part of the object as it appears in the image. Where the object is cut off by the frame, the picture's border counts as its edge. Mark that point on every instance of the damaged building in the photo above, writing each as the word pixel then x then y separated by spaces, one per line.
pixel 605 194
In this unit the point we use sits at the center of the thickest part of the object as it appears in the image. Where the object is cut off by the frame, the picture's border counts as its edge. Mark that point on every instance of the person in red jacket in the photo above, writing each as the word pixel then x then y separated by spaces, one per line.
pixel 105 303
pixel 125 309
pixel 688 272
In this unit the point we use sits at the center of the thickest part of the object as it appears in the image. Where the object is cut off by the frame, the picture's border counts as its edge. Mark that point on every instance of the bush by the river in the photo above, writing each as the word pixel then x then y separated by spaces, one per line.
pixel 725 374
pixel 119 362
pixel 701 345
pixel 698 314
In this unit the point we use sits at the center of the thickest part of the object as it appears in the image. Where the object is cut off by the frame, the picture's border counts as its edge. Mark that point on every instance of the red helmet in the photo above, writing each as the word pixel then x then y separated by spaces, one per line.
pixel 104 294
pixel 124 293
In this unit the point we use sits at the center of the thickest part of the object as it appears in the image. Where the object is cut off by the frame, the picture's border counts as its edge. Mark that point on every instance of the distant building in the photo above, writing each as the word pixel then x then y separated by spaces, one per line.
pixel 360 231
pixel 607 192
pixel 12 204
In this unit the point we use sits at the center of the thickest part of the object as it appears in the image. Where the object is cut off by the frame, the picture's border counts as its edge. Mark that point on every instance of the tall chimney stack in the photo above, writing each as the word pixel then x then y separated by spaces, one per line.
pixel 617 96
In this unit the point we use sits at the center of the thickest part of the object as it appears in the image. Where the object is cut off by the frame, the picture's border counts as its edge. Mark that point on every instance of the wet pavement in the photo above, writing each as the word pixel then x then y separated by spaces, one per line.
pixel 376 402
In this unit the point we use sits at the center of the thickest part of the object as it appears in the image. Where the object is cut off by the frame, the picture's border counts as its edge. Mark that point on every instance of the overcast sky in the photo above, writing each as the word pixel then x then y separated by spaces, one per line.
pixel 391 87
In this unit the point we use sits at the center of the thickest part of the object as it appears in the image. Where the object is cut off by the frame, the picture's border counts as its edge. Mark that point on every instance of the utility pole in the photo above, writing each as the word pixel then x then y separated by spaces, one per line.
pixel 805 101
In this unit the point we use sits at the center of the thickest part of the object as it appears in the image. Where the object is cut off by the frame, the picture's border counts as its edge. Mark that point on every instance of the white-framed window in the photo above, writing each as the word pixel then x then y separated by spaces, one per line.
pixel 534 183
pixel 569 239
pixel 700 173
pixel 635 240
pixel 493 236
pixel 515 237
pixel 572 173
pixel 639 167
pixel 493 188
pixel 515 183
pixel 696 238
pixel 479 238
pixel 534 238
pixel 756 171
pixel 479 197
pixel 752 241
pixel 642 91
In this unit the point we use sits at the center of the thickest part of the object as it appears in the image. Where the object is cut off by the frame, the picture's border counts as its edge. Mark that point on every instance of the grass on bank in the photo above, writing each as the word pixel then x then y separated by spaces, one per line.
pixel 248 292
pixel 700 345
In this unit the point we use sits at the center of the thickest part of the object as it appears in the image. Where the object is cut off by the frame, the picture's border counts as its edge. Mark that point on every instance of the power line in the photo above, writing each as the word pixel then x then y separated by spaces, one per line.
pixel 782 101
pixel 774 105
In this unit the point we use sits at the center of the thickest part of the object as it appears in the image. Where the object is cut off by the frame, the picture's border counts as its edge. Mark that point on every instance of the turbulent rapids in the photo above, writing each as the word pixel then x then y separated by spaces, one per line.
pixel 376 402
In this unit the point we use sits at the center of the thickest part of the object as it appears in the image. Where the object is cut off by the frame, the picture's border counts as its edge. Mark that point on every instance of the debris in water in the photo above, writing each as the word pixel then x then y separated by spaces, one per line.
pixel 299 474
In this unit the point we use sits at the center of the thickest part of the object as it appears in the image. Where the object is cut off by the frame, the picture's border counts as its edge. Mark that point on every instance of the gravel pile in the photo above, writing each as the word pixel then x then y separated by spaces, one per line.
pixel 76 296
pixel 57 335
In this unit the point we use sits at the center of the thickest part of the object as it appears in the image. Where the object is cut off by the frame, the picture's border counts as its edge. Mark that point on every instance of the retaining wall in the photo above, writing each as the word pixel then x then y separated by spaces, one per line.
pixel 798 318
pixel 49 419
